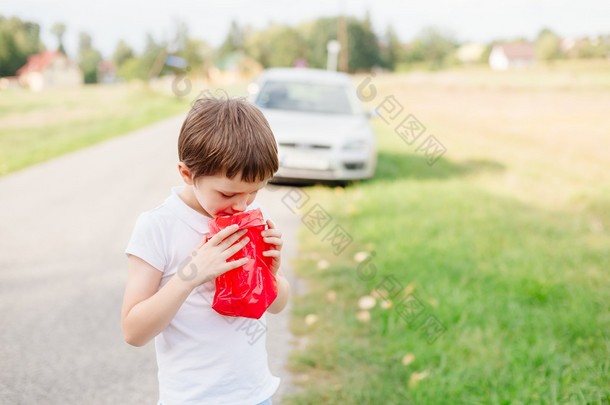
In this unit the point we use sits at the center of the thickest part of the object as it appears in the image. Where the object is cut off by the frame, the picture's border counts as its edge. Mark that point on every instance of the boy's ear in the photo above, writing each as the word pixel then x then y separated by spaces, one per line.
pixel 185 173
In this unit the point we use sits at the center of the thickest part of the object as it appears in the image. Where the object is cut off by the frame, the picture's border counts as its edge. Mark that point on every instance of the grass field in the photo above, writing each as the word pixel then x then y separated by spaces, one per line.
pixel 35 127
pixel 489 270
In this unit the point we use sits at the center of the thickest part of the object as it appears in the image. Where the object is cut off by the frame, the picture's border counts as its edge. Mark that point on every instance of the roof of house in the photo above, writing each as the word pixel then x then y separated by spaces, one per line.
pixel 106 66
pixel 519 51
pixel 38 62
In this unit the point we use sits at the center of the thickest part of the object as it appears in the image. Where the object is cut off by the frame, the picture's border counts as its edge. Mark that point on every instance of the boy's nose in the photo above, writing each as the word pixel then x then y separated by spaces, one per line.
pixel 240 205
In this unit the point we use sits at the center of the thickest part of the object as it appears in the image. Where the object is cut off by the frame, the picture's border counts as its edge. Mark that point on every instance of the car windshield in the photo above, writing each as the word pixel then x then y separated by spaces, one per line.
pixel 305 97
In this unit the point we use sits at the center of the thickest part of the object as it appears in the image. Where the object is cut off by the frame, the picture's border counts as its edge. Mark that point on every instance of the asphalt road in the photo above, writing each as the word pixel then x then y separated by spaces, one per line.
pixel 64 225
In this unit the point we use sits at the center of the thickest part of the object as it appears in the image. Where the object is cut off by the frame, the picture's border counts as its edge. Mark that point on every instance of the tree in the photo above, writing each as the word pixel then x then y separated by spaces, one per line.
pixel 149 62
pixel 391 49
pixel 122 53
pixel 548 45
pixel 431 46
pixel 131 69
pixel 589 48
pixel 59 29
pixel 317 34
pixel 602 46
pixel 197 53
pixel 89 58
pixel 363 45
pixel 276 46
pixel 152 60
pixel 234 41
pixel 18 40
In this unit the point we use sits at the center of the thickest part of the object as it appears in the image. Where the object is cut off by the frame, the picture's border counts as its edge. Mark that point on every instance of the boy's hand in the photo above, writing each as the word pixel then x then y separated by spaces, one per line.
pixel 274 237
pixel 210 259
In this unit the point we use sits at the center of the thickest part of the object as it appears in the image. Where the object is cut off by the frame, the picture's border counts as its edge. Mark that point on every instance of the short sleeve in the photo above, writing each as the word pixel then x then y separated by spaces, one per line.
pixel 146 242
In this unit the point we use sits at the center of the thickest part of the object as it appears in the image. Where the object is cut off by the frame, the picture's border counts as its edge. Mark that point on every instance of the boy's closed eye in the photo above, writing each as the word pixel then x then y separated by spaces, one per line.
pixel 229 195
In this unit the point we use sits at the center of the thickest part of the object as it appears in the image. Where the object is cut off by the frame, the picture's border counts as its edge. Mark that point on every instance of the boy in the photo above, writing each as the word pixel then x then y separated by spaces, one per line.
pixel 227 153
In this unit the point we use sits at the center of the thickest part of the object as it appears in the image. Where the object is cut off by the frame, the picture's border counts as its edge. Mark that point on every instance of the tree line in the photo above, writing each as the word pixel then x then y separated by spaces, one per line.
pixel 274 46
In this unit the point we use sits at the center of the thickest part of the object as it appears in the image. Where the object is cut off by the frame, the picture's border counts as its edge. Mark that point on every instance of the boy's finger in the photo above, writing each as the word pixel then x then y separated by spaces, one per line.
pixel 233 264
pixel 273 241
pixel 236 247
pixel 220 236
pixel 272 253
pixel 231 239
pixel 272 232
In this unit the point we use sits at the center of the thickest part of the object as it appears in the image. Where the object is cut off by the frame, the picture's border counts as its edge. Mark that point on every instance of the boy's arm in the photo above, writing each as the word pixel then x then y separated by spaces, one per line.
pixel 283 292
pixel 147 310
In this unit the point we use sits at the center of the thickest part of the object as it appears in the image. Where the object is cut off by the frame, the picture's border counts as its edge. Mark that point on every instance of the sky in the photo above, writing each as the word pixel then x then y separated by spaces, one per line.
pixel 109 21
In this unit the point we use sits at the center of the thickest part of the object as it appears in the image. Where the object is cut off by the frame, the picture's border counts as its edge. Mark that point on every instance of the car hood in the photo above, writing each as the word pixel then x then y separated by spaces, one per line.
pixel 320 129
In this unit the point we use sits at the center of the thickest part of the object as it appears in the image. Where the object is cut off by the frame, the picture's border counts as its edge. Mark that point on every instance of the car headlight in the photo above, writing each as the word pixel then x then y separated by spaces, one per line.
pixel 357 145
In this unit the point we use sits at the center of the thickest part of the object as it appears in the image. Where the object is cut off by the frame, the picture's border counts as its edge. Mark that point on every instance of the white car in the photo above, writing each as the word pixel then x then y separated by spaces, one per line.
pixel 319 124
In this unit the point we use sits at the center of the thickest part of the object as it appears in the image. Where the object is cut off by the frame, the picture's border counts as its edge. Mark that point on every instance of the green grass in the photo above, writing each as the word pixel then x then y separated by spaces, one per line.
pixel 519 283
pixel 35 127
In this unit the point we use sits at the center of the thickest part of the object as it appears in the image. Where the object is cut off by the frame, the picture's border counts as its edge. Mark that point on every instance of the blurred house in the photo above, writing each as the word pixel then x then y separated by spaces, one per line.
pixel 570 46
pixel 9 82
pixel 470 53
pixel 586 47
pixel 106 72
pixel 51 69
pixel 509 56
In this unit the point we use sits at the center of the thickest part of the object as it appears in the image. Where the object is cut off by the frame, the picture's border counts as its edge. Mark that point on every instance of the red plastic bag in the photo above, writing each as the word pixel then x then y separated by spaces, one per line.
pixel 250 289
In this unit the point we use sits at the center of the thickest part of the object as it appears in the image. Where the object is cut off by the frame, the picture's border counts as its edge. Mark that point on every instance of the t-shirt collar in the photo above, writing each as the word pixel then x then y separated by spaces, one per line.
pixel 192 218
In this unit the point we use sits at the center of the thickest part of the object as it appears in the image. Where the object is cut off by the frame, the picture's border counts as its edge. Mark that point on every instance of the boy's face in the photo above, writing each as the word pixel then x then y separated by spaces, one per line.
pixel 219 196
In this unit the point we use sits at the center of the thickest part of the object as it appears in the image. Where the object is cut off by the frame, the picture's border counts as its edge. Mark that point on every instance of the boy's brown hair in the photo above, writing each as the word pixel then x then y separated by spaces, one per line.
pixel 227 136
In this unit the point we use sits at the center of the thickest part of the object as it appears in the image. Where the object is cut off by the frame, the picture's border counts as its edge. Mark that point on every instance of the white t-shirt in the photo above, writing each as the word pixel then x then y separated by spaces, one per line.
pixel 202 356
